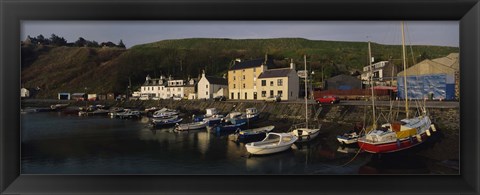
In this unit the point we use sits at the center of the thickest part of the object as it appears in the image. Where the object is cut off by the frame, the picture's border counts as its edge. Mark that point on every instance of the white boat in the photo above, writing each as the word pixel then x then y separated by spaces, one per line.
pixel 348 138
pixel 164 112
pixel 191 126
pixel 252 113
pixel 305 133
pixel 128 114
pixel 273 143
pixel 160 120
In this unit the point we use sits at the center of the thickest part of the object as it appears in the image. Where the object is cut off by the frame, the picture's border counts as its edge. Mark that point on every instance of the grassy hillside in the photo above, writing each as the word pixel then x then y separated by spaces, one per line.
pixel 71 69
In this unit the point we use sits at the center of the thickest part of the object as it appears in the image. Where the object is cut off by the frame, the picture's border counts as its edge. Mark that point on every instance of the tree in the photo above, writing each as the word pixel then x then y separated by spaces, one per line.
pixel 81 42
pixel 121 45
pixel 42 40
pixel 57 41
pixel 92 44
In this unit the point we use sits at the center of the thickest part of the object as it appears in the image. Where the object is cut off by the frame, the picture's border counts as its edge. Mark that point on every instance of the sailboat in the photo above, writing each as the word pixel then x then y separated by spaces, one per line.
pixel 305 134
pixel 398 135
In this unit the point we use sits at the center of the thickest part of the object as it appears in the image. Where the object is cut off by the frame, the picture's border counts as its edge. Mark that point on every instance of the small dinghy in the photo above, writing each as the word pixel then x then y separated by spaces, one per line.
pixel 165 123
pixel 273 143
pixel 348 138
pixel 191 126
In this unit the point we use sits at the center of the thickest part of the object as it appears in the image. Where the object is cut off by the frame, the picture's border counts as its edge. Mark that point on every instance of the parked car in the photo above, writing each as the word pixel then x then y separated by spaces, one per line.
pixel 220 98
pixel 328 99
pixel 273 99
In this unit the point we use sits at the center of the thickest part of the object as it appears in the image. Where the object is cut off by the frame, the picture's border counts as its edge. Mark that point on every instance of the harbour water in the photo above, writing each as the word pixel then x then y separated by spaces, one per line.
pixel 53 143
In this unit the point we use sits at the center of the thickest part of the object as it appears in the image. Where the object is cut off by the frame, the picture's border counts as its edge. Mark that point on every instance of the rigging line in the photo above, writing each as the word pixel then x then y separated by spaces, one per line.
pixel 358 152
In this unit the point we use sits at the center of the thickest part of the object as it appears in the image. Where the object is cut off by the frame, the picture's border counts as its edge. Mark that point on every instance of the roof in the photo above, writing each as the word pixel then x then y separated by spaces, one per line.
pixel 342 77
pixel 251 64
pixel 283 72
pixel 444 65
pixel 216 80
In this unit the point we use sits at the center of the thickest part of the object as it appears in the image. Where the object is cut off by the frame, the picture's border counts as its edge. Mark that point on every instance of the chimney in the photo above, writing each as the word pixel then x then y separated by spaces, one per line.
pixel 203 73
pixel 292 65
pixel 147 78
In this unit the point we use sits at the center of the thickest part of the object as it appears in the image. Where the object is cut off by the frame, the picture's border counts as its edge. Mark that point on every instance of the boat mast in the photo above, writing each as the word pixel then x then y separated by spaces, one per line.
pixel 306 77
pixel 404 70
pixel 371 85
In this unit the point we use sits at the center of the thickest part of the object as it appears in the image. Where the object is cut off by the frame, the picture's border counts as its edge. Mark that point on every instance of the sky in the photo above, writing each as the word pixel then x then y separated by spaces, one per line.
pixel 441 33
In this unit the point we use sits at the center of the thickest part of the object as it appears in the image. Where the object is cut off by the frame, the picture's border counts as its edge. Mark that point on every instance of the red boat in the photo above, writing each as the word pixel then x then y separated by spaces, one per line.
pixel 393 137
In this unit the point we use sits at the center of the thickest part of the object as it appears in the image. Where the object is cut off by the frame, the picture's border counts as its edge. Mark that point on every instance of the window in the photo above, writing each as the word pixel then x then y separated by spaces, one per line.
pixel 279 82
pixel 206 86
pixel 264 83
pixel 264 93
pixel 271 83
pixel 246 96
pixel 243 70
pixel 254 69
pixel 178 89
pixel 243 77
pixel 244 85
pixel 206 93
pixel 158 88
pixel 271 93
pixel 280 93
pixel 233 71
pixel 233 77
pixel 168 89
pixel 234 86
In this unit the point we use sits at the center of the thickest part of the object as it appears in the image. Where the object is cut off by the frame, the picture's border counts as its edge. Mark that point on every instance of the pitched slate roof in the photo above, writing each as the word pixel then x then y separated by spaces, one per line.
pixel 251 64
pixel 216 80
pixel 283 72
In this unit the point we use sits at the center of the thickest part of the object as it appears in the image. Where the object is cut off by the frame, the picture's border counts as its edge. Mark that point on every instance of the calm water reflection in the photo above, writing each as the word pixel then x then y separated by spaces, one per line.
pixel 58 144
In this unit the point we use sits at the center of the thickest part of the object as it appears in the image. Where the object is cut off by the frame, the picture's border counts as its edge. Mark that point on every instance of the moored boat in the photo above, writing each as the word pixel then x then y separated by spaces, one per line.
pixel 399 135
pixel 225 129
pixel 165 123
pixel 191 126
pixel 348 138
pixel 273 143
pixel 252 114
pixel 129 114
pixel 305 133
pixel 256 134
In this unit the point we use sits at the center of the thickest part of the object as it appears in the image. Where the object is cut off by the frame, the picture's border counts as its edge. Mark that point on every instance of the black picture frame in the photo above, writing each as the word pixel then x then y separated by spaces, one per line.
pixel 13 12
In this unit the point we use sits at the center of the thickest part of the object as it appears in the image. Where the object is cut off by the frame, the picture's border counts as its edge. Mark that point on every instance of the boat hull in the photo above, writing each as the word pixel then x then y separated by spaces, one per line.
pixel 393 146
pixel 264 151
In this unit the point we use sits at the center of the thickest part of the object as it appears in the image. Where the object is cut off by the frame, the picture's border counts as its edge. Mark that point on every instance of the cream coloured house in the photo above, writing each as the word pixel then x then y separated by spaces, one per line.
pixel 252 80
pixel 283 82
pixel 210 87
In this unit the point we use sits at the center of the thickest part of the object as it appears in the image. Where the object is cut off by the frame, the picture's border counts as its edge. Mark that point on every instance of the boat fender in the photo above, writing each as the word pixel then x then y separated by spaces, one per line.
pixel 433 128
pixel 398 143
pixel 428 132
pixel 419 138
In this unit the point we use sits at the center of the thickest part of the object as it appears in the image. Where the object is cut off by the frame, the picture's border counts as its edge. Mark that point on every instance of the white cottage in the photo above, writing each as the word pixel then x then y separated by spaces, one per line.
pixel 209 87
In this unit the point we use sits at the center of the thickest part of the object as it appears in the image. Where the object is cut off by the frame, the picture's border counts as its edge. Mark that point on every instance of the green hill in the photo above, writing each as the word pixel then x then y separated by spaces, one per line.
pixel 102 70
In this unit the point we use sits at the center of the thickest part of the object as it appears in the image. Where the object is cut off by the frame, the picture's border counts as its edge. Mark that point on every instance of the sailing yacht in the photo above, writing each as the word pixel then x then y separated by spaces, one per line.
pixel 398 135
pixel 305 134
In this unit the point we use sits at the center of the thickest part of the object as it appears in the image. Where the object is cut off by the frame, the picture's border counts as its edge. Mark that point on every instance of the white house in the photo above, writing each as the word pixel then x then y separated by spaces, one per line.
pixel 209 87
pixel 163 88
pixel 24 93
